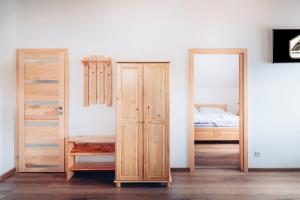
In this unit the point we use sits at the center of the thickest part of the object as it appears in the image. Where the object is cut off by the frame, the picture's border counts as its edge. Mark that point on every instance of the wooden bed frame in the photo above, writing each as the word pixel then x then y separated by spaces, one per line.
pixel 215 133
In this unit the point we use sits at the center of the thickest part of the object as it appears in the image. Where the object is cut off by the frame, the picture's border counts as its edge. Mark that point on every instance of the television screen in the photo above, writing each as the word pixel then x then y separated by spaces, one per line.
pixel 286 45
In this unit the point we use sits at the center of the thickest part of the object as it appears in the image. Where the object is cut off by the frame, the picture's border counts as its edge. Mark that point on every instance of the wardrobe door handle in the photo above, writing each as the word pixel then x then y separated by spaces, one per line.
pixel 137 109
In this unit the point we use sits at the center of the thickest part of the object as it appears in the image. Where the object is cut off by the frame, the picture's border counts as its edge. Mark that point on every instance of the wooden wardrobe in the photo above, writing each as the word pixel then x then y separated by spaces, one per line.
pixel 142 153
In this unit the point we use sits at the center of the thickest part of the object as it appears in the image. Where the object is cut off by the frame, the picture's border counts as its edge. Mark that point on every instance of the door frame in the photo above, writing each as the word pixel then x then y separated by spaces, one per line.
pixel 18 100
pixel 243 106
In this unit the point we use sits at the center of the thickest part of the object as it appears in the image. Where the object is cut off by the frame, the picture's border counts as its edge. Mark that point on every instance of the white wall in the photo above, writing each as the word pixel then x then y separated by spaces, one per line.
pixel 216 80
pixel 7 84
pixel 164 30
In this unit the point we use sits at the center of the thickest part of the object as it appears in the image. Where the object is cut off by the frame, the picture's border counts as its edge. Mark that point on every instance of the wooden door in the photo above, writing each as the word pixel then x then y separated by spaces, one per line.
pixel 129 165
pixel 156 108
pixel 42 109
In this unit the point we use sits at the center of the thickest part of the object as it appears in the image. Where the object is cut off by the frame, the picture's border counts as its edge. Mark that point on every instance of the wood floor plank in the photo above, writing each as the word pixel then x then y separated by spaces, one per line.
pixel 217 155
pixel 207 184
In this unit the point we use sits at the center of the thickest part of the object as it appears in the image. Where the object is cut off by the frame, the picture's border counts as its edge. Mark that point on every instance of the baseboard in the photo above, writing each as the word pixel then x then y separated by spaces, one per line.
pixel 186 169
pixel 274 169
pixel 7 174
pixel 180 169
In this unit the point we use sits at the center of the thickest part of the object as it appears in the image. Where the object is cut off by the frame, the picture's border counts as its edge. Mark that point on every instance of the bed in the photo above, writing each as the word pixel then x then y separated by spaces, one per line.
pixel 212 122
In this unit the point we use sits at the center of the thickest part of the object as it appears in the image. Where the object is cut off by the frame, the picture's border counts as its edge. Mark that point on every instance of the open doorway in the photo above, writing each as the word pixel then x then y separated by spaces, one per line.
pixel 218 108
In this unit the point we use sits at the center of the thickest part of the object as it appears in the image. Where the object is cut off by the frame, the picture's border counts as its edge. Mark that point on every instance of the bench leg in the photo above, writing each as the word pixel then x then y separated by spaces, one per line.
pixel 69 175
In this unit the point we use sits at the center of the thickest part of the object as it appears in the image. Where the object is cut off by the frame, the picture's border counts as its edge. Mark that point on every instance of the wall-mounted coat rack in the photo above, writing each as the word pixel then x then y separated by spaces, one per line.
pixel 97 80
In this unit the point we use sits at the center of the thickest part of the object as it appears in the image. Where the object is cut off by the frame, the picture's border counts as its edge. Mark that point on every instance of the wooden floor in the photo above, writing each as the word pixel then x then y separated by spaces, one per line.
pixel 207 184
pixel 222 155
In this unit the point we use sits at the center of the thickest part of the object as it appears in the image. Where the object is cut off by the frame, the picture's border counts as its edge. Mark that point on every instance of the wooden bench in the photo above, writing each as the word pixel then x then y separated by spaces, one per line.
pixel 88 146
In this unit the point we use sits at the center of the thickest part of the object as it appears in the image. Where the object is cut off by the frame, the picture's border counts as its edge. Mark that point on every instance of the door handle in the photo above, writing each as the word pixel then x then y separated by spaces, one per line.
pixel 59 109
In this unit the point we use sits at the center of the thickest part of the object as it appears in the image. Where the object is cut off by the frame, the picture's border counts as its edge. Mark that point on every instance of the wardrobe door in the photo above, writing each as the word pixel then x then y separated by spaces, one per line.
pixel 156 139
pixel 129 165
pixel 42 99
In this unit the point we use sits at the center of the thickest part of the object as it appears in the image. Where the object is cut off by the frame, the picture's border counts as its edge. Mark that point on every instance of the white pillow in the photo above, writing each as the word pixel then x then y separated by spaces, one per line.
pixel 211 110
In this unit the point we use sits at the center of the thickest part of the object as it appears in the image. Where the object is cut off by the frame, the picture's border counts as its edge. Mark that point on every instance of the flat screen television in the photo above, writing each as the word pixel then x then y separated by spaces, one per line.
pixel 286 45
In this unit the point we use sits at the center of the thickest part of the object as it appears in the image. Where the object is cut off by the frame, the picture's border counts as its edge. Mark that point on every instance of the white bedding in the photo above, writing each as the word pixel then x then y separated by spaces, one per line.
pixel 214 117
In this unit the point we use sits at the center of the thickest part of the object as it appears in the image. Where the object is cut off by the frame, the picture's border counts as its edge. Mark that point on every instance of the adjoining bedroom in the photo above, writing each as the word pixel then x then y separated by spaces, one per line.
pixel 217 107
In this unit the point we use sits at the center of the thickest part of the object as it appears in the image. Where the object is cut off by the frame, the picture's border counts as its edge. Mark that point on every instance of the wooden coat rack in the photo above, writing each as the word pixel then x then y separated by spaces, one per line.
pixel 97 80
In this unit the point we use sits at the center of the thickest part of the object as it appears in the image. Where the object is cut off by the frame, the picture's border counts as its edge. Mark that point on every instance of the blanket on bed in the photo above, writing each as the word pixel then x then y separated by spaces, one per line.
pixel 205 118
